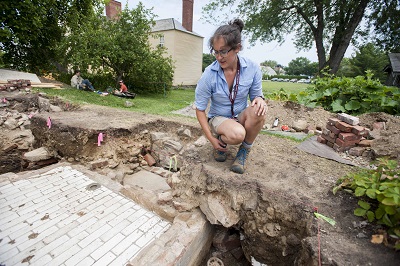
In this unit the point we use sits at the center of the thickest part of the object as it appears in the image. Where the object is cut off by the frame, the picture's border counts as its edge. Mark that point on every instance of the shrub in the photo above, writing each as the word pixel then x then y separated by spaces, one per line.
pixel 379 193
pixel 352 95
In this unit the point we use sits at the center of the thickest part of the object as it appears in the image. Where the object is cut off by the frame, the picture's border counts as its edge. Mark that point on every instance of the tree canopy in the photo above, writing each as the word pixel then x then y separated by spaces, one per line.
pixel 31 29
pixel 270 63
pixel 121 47
pixel 301 66
pixel 329 25
pixel 368 57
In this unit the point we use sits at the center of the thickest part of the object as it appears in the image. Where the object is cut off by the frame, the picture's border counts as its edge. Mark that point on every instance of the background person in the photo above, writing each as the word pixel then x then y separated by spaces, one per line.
pixel 78 82
pixel 228 83
pixel 123 87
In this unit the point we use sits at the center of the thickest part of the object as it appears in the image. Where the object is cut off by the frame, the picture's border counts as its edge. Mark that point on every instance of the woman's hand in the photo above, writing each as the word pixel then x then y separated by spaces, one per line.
pixel 261 106
pixel 218 145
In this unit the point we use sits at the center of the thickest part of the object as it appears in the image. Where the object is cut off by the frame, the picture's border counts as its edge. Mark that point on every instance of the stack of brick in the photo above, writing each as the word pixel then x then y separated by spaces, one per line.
pixel 16 84
pixel 344 133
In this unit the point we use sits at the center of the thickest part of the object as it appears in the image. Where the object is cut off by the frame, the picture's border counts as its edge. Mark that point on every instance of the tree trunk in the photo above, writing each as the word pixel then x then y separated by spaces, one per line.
pixel 341 41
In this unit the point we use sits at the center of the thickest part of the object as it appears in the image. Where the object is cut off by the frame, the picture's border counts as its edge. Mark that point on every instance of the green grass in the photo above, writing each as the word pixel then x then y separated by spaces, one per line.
pixel 154 104
pixel 289 87
pixel 150 104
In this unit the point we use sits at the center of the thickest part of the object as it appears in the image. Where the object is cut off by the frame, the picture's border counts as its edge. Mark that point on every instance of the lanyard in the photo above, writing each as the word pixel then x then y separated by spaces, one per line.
pixel 232 95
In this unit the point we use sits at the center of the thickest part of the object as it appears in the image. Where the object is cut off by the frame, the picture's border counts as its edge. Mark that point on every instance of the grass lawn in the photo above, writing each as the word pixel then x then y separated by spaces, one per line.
pixel 150 104
pixel 154 104
pixel 289 87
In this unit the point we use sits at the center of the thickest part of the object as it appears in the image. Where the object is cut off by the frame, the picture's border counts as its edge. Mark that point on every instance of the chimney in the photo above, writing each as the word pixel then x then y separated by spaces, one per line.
pixel 113 9
pixel 187 14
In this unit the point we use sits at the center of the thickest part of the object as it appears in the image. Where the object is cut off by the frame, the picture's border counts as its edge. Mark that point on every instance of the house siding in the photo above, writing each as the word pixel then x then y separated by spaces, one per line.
pixel 186 51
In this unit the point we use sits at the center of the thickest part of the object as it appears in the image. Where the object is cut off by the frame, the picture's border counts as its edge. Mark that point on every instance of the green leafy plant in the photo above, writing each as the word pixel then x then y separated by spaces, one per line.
pixel 281 95
pixel 379 193
pixel 352 95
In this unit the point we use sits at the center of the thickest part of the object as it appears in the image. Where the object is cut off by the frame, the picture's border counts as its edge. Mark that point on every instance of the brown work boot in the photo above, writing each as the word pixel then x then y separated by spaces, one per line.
pixel 238 164
pixel 219 156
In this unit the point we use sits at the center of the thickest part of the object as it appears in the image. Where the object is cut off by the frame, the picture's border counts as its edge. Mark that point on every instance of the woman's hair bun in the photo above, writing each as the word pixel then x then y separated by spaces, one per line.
pixel 238 23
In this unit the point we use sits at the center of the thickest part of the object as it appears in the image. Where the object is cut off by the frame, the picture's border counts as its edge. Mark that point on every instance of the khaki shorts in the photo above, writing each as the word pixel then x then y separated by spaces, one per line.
pixel 216 121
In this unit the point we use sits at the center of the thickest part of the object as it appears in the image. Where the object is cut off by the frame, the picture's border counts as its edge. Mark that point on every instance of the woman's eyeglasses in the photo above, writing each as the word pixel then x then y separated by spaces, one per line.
pixel 222 53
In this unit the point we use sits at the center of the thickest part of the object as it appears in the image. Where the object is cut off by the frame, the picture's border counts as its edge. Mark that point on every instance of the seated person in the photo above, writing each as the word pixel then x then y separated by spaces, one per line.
pixel 123 87
pixel 78 82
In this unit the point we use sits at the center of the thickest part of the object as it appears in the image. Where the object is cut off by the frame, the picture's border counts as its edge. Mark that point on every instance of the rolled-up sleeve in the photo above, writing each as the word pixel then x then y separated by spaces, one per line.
pixel 256 88
pixel 203 91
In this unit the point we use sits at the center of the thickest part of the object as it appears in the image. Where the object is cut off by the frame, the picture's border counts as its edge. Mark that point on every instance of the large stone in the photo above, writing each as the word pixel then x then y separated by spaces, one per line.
pixel 201 141
pixel 44 104
pixel 147 180
pixel 218 211
pixel 11 123
pixel 299 125
pixel 55 108
pixel 174 145
pixel 38 155
pixel 158 135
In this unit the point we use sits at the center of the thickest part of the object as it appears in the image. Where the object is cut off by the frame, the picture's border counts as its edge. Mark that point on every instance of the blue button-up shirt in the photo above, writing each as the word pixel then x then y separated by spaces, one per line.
pixel 212 85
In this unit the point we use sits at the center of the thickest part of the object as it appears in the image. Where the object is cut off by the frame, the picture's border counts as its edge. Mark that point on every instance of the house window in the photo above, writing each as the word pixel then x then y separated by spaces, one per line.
pixel 161 41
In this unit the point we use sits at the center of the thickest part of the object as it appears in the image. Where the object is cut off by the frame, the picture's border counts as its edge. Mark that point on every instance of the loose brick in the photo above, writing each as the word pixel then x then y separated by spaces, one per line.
pixel 332 121
pixel 321 140
pixel 339 149
pixel 365 143
pixel 328 138
pixel 343 143
pixel 333 135
pixel 326 131
pixel 359 131
pixel 330 144
pixel 348 136
pixel 343 126
pixel 349 119
pixel 357 151
pixel 333 129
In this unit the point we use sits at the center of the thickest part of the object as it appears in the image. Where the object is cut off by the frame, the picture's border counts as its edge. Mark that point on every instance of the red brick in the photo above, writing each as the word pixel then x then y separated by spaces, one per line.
pixel 339 149
pixel 348 136
pixel 326 131
pixel 332 121
pixel 321 140
pixel 365 143
pixel 333 129
pixel 328 138
pixel 359 131
pixel 343 126
pixel 357 151
pixel 330 144
pixel 350 143
pixel 333 135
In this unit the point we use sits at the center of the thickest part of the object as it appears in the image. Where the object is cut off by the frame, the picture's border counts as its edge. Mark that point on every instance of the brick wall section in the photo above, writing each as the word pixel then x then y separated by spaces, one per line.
pixel 187 14
pixel 16 84
pixel 344 135
pixel 113 9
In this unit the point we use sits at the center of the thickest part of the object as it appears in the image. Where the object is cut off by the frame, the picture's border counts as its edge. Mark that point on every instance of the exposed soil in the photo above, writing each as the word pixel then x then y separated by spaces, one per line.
pixel 274 200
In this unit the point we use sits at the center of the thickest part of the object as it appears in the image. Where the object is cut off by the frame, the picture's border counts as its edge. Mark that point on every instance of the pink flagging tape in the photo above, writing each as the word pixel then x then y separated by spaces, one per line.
pixel 49 122
pixel 99 139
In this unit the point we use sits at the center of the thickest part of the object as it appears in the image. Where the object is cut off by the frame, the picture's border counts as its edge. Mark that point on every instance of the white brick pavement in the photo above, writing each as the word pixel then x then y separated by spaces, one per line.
pixel 53 219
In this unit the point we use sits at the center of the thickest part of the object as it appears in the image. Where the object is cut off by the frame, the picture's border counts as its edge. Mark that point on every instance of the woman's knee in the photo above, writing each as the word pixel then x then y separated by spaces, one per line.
pixel 237 134
pixel 253 117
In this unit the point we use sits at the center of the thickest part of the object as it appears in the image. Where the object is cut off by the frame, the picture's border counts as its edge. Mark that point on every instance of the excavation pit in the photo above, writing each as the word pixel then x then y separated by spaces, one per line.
pixel 271 206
